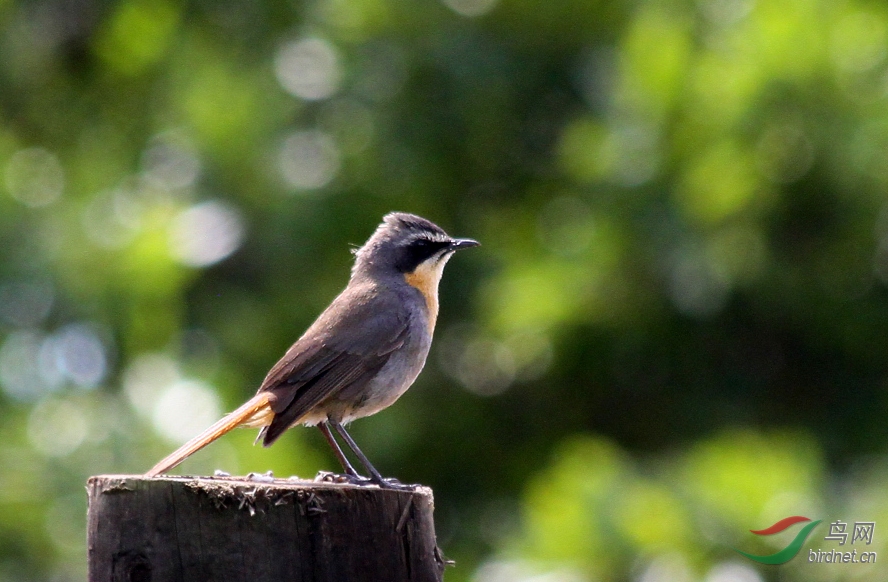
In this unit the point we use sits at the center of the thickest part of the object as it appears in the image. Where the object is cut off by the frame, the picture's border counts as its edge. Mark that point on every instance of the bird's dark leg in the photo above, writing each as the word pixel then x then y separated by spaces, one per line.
pixel 375 477
pixel 343 460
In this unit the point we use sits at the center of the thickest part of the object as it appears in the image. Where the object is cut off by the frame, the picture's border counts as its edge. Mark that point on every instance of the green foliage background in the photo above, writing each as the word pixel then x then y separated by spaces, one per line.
pixel 675 330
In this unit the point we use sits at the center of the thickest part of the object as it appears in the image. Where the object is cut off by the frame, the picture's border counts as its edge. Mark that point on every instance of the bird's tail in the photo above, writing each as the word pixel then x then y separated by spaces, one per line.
pixel 255 412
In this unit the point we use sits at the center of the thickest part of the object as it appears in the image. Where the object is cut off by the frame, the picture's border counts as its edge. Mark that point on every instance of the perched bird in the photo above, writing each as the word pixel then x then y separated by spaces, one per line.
pixel 362 352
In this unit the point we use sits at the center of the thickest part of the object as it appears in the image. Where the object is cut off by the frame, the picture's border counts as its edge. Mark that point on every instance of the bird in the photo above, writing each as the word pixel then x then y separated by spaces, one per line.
pixel 361 353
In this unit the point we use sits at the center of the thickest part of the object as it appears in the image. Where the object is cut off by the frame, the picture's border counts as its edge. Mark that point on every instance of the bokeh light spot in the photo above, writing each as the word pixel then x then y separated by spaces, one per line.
pixel 308 68
pixel 732 572
pixel 57 428
pixel 697 288
pixel 520 571
pixel 146 378
pixel 112 218
pixel 21 373
pixel 309 160
pixel 184 409
pixel 725 12
pixel 79 355
pixel 470 7
pixel 35 177
pixel 206 233
pixel 673 567
pixel 636 154
pixel 487 367
pixel 169 162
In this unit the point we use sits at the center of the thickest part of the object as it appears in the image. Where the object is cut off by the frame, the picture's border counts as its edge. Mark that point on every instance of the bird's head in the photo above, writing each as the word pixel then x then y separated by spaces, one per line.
pixel 408 245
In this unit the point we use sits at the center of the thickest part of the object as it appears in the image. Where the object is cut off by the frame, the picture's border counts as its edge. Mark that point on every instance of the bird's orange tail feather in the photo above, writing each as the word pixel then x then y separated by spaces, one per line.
pixel 252 413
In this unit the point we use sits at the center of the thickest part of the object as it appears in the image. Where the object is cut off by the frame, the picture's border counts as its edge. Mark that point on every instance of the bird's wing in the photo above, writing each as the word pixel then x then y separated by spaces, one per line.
pixel 343 348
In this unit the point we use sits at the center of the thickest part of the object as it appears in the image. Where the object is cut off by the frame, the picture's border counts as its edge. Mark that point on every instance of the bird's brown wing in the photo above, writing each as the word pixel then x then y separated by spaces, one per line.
pixel 337 352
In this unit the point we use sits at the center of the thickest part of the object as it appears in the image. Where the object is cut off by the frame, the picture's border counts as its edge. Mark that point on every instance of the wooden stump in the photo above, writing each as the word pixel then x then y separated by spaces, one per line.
pixel 189 529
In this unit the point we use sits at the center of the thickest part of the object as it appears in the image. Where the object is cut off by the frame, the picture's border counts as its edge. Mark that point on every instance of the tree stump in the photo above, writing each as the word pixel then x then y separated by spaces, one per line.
pixel 190 529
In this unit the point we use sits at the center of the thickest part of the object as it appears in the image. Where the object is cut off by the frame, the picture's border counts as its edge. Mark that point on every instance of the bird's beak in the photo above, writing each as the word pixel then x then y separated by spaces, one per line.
pixel 463 243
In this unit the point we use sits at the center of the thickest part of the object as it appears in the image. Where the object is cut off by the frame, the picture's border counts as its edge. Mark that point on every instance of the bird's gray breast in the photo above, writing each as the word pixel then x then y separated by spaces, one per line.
pixel 403 365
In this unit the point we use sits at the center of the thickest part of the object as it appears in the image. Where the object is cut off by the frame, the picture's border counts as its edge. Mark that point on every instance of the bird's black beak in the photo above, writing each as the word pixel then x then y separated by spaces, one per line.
pixel 463 243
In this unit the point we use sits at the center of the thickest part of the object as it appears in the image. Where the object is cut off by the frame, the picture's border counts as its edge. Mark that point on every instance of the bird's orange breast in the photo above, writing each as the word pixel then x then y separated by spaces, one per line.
pixel 425 278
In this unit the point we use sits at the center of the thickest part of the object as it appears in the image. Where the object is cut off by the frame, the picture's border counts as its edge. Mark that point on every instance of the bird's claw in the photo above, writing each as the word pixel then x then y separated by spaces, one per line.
pixel 329 477
pixel 386 483
pixel 267 477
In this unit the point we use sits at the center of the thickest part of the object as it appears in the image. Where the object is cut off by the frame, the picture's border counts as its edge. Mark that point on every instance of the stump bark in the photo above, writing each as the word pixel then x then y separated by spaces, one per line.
pixel 190 529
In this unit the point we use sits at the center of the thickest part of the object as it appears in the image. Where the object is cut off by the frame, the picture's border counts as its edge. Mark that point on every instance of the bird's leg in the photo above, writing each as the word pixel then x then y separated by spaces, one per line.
pixel 375 477
pixel 343 460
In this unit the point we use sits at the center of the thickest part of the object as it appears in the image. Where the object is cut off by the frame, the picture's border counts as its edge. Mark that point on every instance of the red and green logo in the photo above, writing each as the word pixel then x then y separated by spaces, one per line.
pixel 789 552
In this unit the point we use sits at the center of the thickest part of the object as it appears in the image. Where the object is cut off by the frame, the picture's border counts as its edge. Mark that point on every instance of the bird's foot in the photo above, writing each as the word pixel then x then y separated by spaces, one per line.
pixel 267 477
pixel 330 477
pixel 360 480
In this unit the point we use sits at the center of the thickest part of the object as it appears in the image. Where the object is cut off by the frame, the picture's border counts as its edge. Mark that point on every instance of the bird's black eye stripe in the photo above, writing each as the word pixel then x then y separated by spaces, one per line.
pixel 418 251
